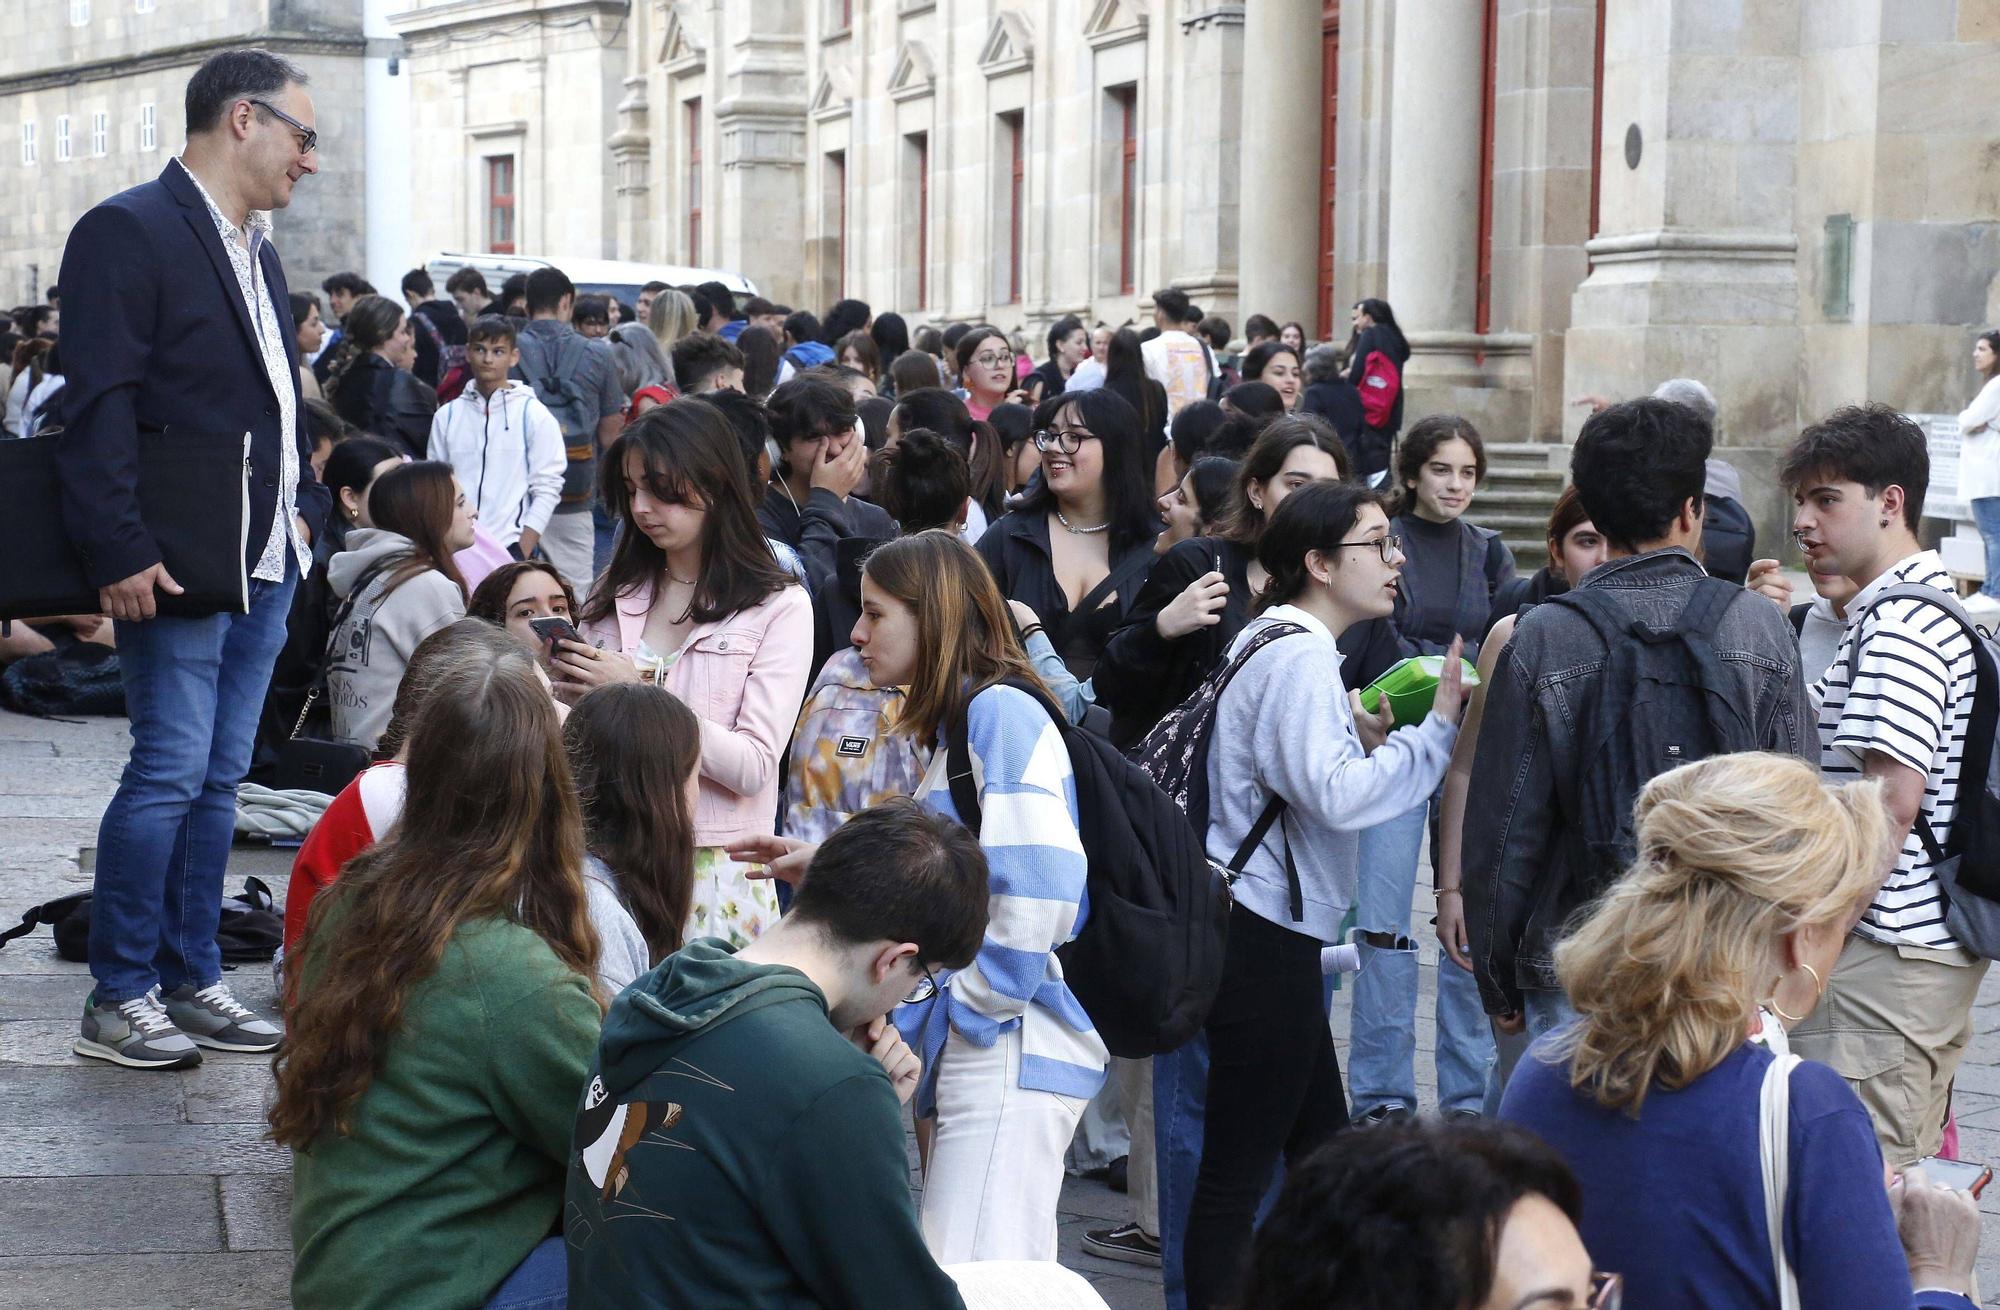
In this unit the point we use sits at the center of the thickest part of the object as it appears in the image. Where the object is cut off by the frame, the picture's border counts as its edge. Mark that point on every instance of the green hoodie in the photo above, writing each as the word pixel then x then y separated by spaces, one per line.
pixel 752 1155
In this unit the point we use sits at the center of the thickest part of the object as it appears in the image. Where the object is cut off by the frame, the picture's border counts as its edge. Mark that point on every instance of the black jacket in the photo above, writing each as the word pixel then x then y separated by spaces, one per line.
pixel 159 337
pixel 816 533
pixel 1428 622
pixel 1141 675
pixel 449 326
pixel 1520 593
pixel 388 402
pixel 1339 403
pixel 1523 878
pixel 1016 549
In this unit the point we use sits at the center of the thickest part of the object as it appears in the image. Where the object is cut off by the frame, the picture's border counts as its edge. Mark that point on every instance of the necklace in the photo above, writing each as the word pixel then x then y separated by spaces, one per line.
pixel 1081 532
pixel 685 582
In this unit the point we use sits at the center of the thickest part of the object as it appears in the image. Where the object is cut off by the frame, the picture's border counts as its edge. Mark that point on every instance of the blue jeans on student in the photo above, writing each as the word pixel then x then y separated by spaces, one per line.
pixel 540 1282
pixel 1986 517
pixel 1546 1011
pixel 194 689
pixel 1381 1057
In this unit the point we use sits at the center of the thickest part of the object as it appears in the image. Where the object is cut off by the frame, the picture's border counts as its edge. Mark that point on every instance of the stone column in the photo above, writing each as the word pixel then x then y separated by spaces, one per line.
pixel 1694 267
pixel 1209 191
pixel 1282 112
pixel 1434 148
pixel 760 127
pixel 632 144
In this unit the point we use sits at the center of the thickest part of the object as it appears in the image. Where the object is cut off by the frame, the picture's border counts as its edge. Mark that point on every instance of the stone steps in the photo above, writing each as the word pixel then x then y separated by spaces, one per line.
pixel 1523 482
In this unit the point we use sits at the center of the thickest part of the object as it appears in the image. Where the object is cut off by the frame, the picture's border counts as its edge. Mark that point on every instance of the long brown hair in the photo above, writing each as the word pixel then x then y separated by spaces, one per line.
pixel 1243 522
pixel 490 830
pixel 369 322
pixel 964 631
pixel 691 456
pixel 418 500
pixel 633 747
pixel 430 664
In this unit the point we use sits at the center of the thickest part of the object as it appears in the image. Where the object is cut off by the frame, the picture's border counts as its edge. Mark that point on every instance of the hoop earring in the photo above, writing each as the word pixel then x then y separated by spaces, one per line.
pixel 1819 989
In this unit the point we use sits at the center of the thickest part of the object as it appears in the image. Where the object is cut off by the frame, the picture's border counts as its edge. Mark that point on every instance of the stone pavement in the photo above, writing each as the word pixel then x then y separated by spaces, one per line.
pixel 150 1191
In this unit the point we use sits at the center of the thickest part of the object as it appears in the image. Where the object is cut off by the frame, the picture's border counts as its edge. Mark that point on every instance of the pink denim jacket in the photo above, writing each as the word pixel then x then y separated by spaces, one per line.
pixel 744 676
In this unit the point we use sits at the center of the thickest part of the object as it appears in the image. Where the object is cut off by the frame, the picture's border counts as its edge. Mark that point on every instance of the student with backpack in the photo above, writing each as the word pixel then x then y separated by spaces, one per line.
pixel 1901 702
pixel 1010 1057
pixel 1293 777
pixel 1377 354
pixel 577 380
pixel 1581 711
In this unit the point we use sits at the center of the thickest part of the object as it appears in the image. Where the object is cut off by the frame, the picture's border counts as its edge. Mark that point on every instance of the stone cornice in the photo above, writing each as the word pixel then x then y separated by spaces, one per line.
pixel 482 15
pixel 180 56
pixel 1780 247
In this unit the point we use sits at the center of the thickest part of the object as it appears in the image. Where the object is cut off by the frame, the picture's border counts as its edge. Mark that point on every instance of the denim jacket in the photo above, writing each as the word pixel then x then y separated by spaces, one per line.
pixel 1520 888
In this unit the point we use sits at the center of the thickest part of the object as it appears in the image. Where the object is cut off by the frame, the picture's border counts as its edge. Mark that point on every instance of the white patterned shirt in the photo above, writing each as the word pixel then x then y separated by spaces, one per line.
pixel 1911 699
pixel 243 245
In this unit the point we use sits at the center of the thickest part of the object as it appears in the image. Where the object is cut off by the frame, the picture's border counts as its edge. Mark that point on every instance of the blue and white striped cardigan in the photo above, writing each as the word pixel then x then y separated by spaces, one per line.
pixel 1035 867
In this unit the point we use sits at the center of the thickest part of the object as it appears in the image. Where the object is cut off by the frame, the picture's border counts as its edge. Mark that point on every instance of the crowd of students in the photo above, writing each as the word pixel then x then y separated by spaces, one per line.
pixel 664 832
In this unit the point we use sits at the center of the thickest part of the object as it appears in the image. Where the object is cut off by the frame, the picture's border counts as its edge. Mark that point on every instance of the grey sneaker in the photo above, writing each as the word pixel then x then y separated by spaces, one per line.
pixel 216 1019
pixel 136 1034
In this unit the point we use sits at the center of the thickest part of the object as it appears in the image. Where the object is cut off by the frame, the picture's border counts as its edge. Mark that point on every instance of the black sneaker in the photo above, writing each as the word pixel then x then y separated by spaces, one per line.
pixel 1116 1174
pixel 1125 1243
pixel 1382 1114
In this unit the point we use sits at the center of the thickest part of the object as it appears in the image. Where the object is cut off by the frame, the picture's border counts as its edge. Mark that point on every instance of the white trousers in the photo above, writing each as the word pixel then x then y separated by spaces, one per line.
pixel 996 1167
pixel 570 542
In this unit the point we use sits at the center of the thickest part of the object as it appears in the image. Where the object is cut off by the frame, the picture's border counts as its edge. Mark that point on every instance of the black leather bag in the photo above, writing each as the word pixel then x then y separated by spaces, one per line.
pixel 313 763
pixel 194 495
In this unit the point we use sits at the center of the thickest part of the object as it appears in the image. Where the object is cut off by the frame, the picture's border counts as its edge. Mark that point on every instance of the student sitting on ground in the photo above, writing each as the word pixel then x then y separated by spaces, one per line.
pixel 446 1021
pixel 635 749
pixel 740 1142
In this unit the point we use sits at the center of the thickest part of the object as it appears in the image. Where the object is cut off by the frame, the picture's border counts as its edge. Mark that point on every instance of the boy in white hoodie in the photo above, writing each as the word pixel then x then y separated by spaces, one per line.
pixel 504 444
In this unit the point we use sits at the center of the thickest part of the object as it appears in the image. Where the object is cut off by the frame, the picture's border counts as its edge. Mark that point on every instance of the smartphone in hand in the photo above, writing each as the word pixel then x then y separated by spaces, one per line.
pixel 556 628
pixel 1959 1175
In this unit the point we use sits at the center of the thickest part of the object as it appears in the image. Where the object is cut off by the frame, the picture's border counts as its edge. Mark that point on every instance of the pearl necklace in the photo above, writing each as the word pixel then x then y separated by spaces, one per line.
pixel 1081 532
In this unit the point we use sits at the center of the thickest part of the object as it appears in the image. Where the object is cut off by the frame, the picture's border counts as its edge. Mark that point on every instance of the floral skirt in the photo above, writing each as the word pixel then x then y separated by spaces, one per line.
pixel 727 902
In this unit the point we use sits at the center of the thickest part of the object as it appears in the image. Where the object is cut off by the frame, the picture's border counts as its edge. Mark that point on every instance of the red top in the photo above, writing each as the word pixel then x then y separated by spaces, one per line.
pixel 365 809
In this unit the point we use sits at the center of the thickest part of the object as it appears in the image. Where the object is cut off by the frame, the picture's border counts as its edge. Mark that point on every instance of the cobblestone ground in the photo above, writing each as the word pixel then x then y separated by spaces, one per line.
pixel 127 1189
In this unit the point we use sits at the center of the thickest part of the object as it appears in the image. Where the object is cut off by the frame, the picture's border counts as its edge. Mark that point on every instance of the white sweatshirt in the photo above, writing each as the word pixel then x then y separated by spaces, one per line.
pixel 509 455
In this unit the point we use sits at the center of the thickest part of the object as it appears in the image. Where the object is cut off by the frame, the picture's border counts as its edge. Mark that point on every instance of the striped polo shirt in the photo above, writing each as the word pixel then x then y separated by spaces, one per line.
pixel 1911 699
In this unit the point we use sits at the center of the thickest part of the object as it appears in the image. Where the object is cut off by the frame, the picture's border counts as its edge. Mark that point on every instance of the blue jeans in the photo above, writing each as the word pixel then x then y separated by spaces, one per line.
pixel 194 689
pixel 1381 1061
pixel 1546 1011
pixel 540 1282
pixel 1986 517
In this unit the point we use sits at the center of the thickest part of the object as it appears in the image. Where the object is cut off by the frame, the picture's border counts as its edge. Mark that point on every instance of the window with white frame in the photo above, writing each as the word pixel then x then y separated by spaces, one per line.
pixel 100 134
pixel 142 6
pixel 149 128
pixel 62 139
pixel 28 155
pixel 79 13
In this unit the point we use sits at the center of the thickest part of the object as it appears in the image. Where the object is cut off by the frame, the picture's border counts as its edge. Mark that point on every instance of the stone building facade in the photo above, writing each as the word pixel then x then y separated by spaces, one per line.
pixel 91 103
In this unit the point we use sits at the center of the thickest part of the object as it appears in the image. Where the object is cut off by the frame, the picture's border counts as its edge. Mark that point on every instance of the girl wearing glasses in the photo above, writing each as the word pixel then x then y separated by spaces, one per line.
pixel 986 373
pixel 1010 1059
pixel 1081 543
pixel 1686 977
pixel 1284 730
pixel 1455 568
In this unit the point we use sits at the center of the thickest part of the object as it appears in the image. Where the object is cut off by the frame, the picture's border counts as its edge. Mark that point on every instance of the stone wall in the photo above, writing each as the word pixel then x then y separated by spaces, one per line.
pixel 120 63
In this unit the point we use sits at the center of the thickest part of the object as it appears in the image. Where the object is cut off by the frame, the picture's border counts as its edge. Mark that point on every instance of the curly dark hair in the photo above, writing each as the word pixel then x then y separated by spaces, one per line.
pixel 1870 444
pixel 1401 1217
pixel 1635 464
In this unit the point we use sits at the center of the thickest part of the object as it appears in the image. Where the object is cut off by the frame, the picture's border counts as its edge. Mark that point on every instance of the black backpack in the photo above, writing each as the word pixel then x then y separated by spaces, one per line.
pixel 1175 755
pixel 250 932
pixel 1149 958
pixel 1662 701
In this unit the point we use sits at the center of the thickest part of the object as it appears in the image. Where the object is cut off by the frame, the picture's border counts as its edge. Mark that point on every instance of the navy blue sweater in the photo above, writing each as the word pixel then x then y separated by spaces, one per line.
pixel 1674 1200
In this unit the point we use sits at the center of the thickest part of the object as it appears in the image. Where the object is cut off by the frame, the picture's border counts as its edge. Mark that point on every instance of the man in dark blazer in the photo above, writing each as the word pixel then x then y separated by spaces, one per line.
pixel 179 318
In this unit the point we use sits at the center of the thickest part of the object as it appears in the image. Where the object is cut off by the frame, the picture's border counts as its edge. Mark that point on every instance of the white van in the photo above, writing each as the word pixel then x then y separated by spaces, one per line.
pixel 601 277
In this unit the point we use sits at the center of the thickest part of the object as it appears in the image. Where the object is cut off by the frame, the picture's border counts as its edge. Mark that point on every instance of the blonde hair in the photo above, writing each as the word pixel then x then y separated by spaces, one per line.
pixel 671 318
pixel 1669 967
pixel 964 629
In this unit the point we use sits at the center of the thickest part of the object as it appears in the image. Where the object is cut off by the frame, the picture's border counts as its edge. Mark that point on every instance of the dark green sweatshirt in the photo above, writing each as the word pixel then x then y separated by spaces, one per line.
pixel 734 1150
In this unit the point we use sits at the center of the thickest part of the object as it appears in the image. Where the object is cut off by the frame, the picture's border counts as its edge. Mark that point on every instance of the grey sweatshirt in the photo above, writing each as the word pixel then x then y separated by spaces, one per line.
pixel 1284 725
pixel 373 644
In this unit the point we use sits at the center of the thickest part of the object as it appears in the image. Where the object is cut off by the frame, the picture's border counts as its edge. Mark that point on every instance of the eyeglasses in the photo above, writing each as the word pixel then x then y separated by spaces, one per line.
pixel 308 138
pixel 1381 545
pixel 994 361
pixel 1066 443
pixel 1607 1292
pixel 926 989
